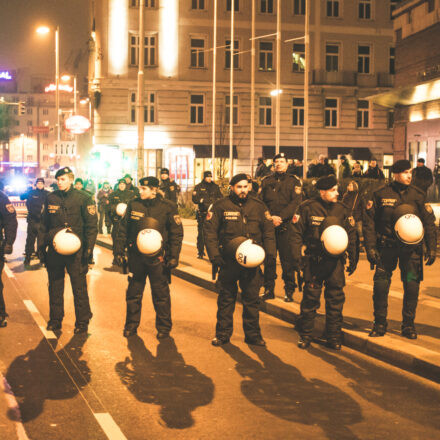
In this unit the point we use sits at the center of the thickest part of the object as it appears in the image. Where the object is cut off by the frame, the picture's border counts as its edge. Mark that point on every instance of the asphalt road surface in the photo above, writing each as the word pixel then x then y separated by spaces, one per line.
pixel 104 386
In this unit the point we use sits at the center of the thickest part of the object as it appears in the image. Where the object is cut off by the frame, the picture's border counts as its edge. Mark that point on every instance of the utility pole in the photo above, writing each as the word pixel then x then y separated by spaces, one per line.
pixel 140 93
pixel 214 90
pixel 306 88
pixel 231 94
pixel 278 81
pixel 253 89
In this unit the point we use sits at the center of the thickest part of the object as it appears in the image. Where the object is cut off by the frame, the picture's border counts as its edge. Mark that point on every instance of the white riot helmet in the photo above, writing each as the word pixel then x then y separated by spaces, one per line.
pixel 66 242
pixel 246 252
pixel 121 208
pixel 408 226
pixel 149 239
pixel 334 237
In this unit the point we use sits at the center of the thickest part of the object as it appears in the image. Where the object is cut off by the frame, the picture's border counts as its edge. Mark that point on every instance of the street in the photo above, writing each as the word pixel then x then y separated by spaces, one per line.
pixel 105 386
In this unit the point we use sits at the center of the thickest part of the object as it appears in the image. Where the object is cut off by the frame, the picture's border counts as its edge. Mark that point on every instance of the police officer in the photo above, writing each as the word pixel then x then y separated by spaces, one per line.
pixel 384 248
pixel 149 211
pixel 130 187
pixel 8 232
pixel 104 207
pixel 204 195
pixel 282 193
pixel 69 217
pixel 119 197
pixel 169 188
pixel 35 200
pixel 323 226
pixel 231 218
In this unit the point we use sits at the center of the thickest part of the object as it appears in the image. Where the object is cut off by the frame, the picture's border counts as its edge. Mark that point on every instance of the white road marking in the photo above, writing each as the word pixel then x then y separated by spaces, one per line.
pixel 12 403
pixel 9 272
pixel 109 426
pixel 48 334
pixel 393 293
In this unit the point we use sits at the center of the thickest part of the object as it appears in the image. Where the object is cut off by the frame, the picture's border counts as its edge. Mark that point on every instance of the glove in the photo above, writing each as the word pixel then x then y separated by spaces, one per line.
pixel 372 256
pixel 429 259
pixel 218 261
pixel 172 263
pixel 7 249
pixel 352 265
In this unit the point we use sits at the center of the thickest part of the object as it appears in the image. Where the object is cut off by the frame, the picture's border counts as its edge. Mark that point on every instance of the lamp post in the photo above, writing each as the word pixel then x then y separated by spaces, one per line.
pixel 75 91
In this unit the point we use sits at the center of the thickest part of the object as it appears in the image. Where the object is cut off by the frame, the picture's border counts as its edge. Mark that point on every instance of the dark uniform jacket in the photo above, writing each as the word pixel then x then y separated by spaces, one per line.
pixel 205 194
pixel 305 228
pixel 422 177
pixel 133 189
pixel 374 173
pixel 170 189
pixel 378 222
pixel 35 200
pixel 231 217
pixel 103 198
pixel 8 221
pixel 74 209
pixel 117 197
pixel 169 225
pixel 282 193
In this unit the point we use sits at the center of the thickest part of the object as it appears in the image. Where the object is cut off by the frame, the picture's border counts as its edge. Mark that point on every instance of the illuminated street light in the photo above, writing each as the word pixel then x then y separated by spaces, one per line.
pixel 275 92
pixel 43 30
pixel 65 78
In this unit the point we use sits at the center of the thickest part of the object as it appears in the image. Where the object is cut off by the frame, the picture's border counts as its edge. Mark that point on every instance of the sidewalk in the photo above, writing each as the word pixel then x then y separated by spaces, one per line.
pixel 421 356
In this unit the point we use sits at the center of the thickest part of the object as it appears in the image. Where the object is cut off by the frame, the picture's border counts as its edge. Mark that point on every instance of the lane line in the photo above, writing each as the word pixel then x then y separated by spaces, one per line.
pixel 14 408
pixel 48 334
pixel 109 426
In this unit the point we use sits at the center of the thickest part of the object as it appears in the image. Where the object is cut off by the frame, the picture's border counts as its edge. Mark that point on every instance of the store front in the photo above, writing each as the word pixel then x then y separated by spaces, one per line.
pixel 203 161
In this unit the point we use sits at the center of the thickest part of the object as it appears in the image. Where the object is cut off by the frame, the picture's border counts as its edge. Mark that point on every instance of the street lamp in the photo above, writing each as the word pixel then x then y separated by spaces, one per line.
pixel 44 30
pixel 66 78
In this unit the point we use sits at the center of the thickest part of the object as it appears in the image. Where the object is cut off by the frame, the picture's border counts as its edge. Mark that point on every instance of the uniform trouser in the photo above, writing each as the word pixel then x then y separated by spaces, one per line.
pixel 200 237
pixel 32 234
pixel 329 272
pixel 104 217
pixel 160 293
pixel 3 313
pixel 288 270
pixel 411 273
pixel 77 268
pixel 250 283
pixel 115 231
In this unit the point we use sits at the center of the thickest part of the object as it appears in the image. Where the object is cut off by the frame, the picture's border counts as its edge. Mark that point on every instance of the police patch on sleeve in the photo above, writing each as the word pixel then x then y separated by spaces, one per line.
pixel 10 208
pixel 369 204
pixel 177 220
pixel 91 209
pixel 428 207
pixel 295 218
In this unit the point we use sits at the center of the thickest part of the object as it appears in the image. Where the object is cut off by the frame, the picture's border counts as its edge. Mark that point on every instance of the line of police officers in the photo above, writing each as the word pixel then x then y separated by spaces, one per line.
pixel 241 232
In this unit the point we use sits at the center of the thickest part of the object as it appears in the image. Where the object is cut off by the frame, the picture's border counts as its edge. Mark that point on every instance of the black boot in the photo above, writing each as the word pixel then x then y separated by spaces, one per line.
pixel 378 330
pixel 27 260
pixel 288 297
pixel 409 332
pixel 268 294
pixel 304 342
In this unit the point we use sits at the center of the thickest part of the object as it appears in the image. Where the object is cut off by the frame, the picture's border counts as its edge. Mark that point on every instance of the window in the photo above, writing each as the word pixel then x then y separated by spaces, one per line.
pixel 331 112
pixel 266 6
pixel 332 57
pixel 393 5
pixel 15 111
pixel 431 5
pixel 364 59
pixel 149 109
pixel 45 158
pixel 266 55
pixel 29 157
pixel 363 113
pixel 298 57
pixel 392 60
pixel 365 9
pixel 398 35
pixel 29 123
pixel 265 110
pixel 228 54
pixel 236 5
pixel 148 3
pixel 198 4
pixel 197 109
pixel 390 120
pixel 29 111
pixel 45 111
pixel 197 52
pixel 234 109
pixel 45 135
pixel 150 50
pixel 299 7
pixel 332 8
pixel 298 112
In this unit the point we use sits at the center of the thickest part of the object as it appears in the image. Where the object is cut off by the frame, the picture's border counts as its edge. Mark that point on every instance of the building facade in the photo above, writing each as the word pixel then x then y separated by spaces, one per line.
pixel 351 58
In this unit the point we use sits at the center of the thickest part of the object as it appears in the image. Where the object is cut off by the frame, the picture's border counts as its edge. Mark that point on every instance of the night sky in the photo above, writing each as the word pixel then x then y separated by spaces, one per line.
pixel 20 46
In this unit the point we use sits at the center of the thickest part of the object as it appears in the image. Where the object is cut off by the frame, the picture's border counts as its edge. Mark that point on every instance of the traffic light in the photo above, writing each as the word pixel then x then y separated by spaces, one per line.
pixel 21 108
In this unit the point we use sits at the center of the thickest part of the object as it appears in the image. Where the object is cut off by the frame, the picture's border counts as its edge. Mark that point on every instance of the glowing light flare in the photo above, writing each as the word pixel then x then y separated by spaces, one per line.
pixel 65 78
pixel 118 37
pixel 77 124
pixel 433 114
pixel 275 92
pixel 416 116
pixel 62 87
pixel 5 75
pixel 169 31
pixel 43 30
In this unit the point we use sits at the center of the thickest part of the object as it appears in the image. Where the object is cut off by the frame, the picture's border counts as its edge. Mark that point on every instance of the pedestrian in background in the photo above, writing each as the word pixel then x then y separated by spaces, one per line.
pixel 373 171
pixel 386 246
pixel 204 195
pixel 354 202
pixel 357 170
pixel 104 208
pixel 130 187
pixel 344 168
pixel 422 176
pixel 234 217
pixel 262 169
pixel 8 233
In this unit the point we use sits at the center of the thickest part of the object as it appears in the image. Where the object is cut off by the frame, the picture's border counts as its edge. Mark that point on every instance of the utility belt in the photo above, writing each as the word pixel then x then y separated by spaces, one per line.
pixel 384 241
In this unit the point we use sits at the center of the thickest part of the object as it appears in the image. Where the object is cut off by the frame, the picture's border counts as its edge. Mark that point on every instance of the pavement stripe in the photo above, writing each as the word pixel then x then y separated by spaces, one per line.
pixel 109 426
pixel 188 243
pixel 12 403
pixel 48 334
pixel 8 272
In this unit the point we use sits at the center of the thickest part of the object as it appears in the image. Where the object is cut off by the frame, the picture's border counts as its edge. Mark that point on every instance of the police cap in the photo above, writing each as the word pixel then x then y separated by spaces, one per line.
pixel 238 178
pixel 151 181
pixel 79 180
pixel 164 171
pixel 128 176
pixel 62 171
pixel 121 181
pixel 400 166
pixel 326 182
pixel 279 156
pixel 207 174
pixel 39 179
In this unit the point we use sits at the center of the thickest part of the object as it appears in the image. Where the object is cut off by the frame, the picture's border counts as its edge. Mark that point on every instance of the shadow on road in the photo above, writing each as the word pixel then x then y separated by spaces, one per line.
pixel 165 380
pixel 386 389
pixel 35 377
pixel 281 390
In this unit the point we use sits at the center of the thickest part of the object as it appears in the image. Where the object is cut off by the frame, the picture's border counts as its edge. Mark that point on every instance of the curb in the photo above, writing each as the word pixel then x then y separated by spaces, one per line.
pixel 405 355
